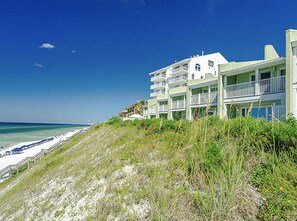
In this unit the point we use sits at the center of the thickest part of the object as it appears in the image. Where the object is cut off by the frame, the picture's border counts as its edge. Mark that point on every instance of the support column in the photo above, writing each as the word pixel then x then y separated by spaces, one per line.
pixel 257 89
pixel 169 116
pixel 188 104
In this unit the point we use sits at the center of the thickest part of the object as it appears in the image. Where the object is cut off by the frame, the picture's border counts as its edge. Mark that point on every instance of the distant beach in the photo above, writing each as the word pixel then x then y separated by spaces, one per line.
pixel 12 134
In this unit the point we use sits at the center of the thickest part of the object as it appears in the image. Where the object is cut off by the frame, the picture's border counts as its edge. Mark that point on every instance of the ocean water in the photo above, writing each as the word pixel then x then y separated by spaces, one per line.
pixel 14 133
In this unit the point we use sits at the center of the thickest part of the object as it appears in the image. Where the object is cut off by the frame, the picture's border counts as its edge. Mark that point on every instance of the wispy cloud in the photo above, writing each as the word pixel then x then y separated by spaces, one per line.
pixel 38 65
pixel 47 46
pixel 73 51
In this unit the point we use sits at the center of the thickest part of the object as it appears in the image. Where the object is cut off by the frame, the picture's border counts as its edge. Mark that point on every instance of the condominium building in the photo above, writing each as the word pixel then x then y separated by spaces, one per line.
pixel 135 108
pixel 171 83
pixel 209 84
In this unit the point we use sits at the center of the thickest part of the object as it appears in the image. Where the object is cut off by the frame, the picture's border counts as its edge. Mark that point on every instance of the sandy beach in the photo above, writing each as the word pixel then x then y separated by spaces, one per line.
pixel 16 158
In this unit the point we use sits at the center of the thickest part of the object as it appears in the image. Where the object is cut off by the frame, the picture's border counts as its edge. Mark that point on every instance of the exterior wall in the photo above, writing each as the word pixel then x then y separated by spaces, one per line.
pixel 217 58
pixel 152 104
pixel 291 36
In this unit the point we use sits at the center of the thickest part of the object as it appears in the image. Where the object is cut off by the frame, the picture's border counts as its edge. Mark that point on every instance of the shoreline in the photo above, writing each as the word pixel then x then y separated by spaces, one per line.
pixel 14 159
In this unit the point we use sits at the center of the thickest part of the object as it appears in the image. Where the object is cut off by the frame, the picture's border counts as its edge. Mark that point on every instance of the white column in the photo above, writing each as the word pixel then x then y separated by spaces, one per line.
pixel 257 90
pixel 225 86
pixel 209 93
pixel 273 112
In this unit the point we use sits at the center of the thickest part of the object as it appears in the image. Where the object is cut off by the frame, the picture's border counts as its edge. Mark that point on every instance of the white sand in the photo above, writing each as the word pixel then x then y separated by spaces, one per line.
pixel 15 158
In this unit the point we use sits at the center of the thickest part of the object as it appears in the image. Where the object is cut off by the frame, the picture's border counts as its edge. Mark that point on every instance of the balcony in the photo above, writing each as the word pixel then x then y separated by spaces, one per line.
pixel 158 85
pixel 179 104
pixel 207 98
pixel 163 108
pixel 266 86
pixel 152 111
pixel 145 113
pixel 180 70
pixel 178 80
pixel 154 94
pixel 159 77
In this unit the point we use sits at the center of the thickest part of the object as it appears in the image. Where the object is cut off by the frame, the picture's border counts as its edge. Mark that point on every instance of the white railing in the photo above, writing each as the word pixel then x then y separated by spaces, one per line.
pixel 280 112
pixel 160 84
pixel 266 86
pixel 178 104
pixel 163 108
pixel 206 98
pixel 177 79
pixel 272 85
pixel 15 167
pixel 182 68
pixel 158 77
pixel 157 93
pixel 152 111
pixel 238 90
pixel 145 113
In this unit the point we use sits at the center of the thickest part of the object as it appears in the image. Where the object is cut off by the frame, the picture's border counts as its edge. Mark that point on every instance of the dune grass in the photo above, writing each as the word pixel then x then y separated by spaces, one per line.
pixel 209 169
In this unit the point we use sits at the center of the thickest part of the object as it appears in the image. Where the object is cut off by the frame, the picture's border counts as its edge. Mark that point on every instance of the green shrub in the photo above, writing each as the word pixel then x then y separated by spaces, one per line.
pixel 115 120
pixel 213 159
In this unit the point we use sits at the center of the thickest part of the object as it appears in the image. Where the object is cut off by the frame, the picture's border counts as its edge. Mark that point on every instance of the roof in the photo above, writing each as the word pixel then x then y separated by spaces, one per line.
pixel 203 81
pixel 254 65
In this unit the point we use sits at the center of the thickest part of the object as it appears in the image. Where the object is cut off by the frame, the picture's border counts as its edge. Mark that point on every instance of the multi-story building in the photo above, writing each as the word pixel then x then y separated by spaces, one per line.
pixel 135 108
pixel 171 84
pixel 210 85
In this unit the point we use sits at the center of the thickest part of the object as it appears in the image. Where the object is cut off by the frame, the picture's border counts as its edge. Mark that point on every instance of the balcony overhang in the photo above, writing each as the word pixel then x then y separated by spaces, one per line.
pixel 178 91
pixel 157 86
pixel 162 97
pixel 256 98
pixel 202 83
pixel 178 109
pixel 203 105
pixel 158 71
pixel 163 111
pixel 253 67
pixel 239 100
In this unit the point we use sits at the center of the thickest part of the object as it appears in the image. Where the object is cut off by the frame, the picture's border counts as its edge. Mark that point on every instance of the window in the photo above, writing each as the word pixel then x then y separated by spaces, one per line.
pixel 265 75
pixel 283 72
pixel 244 112
pixel 197 67
pixel 253 77
pixel 210 63
pixel 193 76
pixel 213 89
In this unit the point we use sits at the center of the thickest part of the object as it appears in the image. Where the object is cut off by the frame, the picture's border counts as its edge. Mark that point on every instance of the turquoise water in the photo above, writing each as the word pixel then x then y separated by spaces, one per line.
pixel 13 133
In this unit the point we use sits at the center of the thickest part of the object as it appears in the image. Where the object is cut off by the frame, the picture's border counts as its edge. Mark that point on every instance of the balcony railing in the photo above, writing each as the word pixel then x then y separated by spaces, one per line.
pixel 272 85
pixel 178 79
pixel 266 86
pixel 206 98
pixel 154 94
pixel 152 111
pixel 145 113
pixel 182 68
pixel 160 84
pixel 179 104
pixel 163 108
pixel 280 112
pixel 157 77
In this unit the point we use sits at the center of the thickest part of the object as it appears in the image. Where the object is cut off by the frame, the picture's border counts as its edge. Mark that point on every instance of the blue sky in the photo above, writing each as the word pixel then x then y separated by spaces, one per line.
pixel 103 50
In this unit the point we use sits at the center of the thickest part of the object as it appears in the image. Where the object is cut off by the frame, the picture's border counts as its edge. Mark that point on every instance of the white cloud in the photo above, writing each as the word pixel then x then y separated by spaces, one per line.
pixel 73 51
pixel 38 65
pixel 47 45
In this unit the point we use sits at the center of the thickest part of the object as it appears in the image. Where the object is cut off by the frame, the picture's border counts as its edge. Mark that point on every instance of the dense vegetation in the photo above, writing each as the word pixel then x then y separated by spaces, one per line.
pixel 228 154
pixel 209 169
